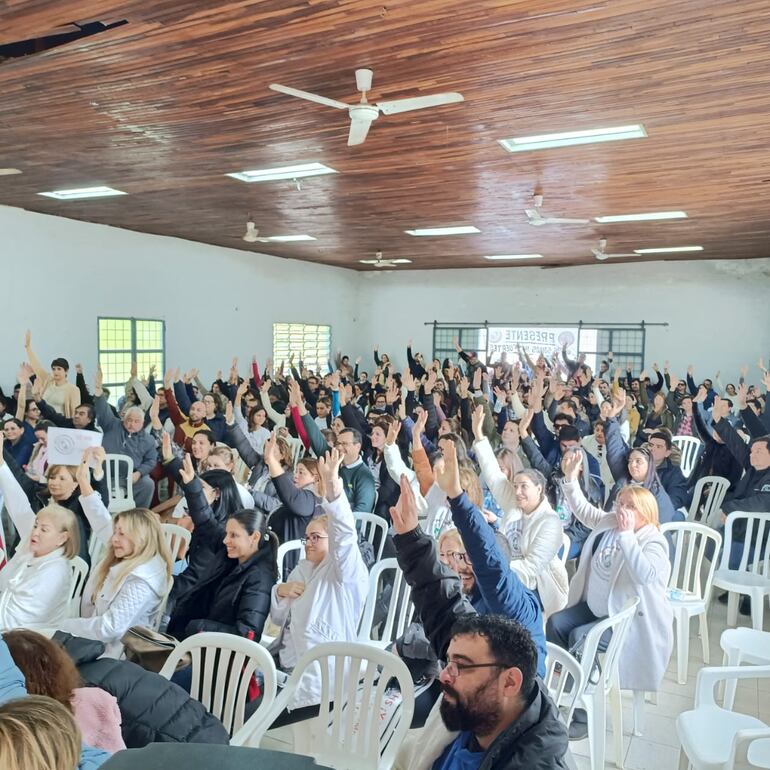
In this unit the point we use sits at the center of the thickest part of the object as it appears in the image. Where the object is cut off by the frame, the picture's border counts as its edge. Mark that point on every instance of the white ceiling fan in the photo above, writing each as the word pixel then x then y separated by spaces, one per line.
pixel 363 113
pixel 601 254
pixel 536 219
pixel 378 261
pixel 252 233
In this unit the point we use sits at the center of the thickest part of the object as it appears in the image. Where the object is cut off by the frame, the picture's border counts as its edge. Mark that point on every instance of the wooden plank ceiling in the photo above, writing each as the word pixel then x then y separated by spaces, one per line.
pixel 163 106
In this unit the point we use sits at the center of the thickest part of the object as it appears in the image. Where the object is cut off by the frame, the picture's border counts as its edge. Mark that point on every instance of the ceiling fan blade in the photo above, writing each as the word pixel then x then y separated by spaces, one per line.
pixel 534 217
pixel 358 131
pixel 562 221
pixel 419 102
pixel 611 256
pixel 306 95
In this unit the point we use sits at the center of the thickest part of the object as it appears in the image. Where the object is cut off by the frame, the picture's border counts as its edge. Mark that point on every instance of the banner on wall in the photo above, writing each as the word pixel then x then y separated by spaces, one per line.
pixel 534 340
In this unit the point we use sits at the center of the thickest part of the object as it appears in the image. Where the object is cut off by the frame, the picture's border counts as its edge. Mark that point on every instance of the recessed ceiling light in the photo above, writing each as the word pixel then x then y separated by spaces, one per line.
pixel 9 171
pixel 668 250
pixel 653 215
pixel 427 231
pixel 284 172
pixel 82 192
pixel 514 256
pixel 288 238
pixel 568 138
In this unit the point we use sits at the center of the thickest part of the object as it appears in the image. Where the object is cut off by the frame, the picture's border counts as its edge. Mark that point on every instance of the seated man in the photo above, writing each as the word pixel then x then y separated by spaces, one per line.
pixel 493 710
pixel 670 475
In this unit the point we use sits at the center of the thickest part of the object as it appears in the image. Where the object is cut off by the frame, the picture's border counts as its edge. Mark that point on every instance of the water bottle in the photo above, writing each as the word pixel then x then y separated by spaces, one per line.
pixel 675 594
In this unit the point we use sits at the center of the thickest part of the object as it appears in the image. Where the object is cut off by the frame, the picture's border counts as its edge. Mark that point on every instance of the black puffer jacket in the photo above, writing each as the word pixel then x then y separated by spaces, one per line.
pixel 154 710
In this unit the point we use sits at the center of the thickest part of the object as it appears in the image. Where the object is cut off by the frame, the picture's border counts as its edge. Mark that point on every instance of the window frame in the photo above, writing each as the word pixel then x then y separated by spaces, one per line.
pixel 279 353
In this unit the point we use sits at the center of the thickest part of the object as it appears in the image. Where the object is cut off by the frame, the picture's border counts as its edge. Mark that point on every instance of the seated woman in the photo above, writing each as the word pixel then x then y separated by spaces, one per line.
pixel 324 596
pixel 38 461
pixel 238 601
pixel 253 425
pixel 624 557
pixel 35 584
pixel 19 439
pixel 533 529
pixel 49 671
pixel 128 587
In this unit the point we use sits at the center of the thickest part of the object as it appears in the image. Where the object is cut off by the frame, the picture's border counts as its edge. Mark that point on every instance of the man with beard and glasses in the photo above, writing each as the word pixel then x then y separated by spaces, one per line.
pixel 493 710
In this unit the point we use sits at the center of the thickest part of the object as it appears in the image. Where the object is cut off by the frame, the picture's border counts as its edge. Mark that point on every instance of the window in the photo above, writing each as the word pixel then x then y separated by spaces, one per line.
pixel 123 340
pixel 310 343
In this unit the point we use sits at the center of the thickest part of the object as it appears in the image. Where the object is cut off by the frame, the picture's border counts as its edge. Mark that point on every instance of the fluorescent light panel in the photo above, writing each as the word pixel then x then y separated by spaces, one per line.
pixel 388 261
pixel 284 172
pixel 9 171
pixel 427 231
pixel 569 138
pixel 82 192
pixel 289 238
pixel 501 257
pixel 668 250
pixel 648 217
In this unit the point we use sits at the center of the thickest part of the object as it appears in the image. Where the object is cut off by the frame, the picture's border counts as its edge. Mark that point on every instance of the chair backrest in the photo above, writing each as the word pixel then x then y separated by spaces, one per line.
pixel 222 667
pixel 297 449
pixel 374 529
pixel 400 607
pixel 79 574
pixel 707 499
pixel 757 531
pixel 566 544
pixel 120 499
pixel 690 542
pixel 175 537
pixel 564 679
pixel 283 550
pixel 96 550
pixel 690 447
pixel 362 721
pixel 619 623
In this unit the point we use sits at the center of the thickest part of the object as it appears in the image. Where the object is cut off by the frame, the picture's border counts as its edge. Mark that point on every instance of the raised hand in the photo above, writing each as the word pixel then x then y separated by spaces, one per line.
pixel 673 381
pixel 744 371
pixel 24 374
pixel 449 477
pixel 155 410
pixel 27 339
pixel 462 388
pixel 618 402
pixel 477 379
pixel 134 369
pixel 98 381
pixel 229 416
pixel 571 465
pixel 187 472
pixel 701 395
pixel 404 513
pixel 743 393
pixel 654 367
pixel 83 473
pixel 524 423
pixel 477 420
pixel 271 452
pixel 419 428
pixel 165 447
pixel 242 388
pixel 329 471
pixel 334 381
pixel 430 381
pixel 392 394
pixel 393 431
pixel 690 369
pixel 720 410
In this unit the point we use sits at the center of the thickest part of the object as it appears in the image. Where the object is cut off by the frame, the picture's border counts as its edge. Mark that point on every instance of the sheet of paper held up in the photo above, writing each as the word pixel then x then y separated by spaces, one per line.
pixel 66 445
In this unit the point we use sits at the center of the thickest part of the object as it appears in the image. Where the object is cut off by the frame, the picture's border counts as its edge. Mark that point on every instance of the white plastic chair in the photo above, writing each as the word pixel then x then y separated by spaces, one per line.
pixel 96 550
pixel 691 448
pixel 400 607
pixel 359 726
pixel 714 738
pixel 222 667
pixel 283 550
pixel 687 593
pixel 79 574
pixel 120 499
pixel 707 500
pixel 743 645
pixel 174 536
pixel 566 544
pixel 594 696
pixel 564 679
pixel 370 525
pixel 753 575
pixel 297 448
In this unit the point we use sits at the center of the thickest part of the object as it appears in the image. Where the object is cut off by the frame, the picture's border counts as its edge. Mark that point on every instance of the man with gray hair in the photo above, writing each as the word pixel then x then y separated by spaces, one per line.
pixel 128 437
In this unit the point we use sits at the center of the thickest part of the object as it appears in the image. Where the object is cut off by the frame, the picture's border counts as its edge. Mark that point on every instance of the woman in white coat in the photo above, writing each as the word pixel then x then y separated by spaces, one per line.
pixel 625 556
pixel 530 525
pixel 35 584
pixel 324 596
pixel 129 585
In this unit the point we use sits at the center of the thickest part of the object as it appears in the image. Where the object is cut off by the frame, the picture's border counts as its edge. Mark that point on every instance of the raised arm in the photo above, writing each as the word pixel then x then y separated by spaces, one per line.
pixel 91 502
pixel 734 443
pixel 16 501
pixel 587 513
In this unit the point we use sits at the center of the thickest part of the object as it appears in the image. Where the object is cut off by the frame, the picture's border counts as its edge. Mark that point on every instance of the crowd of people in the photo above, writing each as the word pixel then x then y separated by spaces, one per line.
pixel 523 501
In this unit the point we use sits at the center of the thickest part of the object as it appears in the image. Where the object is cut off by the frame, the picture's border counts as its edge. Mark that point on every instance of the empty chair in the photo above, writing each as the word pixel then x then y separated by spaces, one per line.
pixel 688 594
pixel 374 529
pixel 752 577
pixel 222 668
pixel 743 645
pixel 400 609
pixel 714 738
pixel 79 576
pixel 564 679
pixel 707 500
pixel 690 448
pixel 118 468
pixel 362 721
pixel 176 537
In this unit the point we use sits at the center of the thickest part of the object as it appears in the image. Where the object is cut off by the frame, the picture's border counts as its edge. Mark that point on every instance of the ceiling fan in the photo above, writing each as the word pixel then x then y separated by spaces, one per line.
pixel 252 233
pixel 536 219
pixel 378 261
pixel 601 254
pixel 363 113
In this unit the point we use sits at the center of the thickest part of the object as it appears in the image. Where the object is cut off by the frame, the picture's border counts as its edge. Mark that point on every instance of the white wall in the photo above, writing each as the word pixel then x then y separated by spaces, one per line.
pixel 718 312
pixel 221 302
pixel 217 303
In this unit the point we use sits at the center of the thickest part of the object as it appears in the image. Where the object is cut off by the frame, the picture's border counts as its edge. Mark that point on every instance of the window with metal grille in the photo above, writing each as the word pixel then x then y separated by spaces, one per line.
pixel 310 343
pixel 123 340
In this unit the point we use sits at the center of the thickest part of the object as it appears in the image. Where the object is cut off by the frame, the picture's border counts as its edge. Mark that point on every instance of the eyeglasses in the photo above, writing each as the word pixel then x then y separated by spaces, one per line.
pixel 313 539
pixel 454 669
pixel 460 556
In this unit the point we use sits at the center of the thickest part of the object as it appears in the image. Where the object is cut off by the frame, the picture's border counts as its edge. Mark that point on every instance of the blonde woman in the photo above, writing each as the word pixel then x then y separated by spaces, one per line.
pixel 128 587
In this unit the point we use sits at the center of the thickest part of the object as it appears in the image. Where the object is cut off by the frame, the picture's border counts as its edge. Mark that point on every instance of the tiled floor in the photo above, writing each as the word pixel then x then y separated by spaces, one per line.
pixel 658 747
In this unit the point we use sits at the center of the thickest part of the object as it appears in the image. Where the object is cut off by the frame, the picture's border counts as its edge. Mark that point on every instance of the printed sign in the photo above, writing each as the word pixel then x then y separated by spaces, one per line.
pixel 66 445
pixel 534 340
